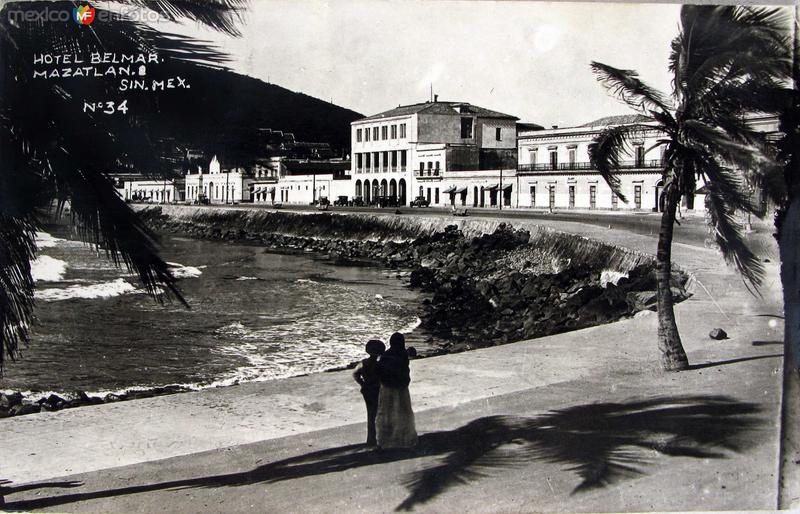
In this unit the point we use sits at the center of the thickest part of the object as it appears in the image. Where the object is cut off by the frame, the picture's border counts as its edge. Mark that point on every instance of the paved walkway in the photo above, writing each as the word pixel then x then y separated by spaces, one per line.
pixel 590 411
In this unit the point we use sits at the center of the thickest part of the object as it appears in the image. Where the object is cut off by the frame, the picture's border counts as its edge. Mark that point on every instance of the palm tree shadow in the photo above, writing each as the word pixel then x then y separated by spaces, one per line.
pixel 601 443
pixel 732 361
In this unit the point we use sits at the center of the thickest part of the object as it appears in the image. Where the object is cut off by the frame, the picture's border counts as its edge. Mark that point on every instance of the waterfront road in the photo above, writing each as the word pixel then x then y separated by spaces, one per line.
pixel 691 227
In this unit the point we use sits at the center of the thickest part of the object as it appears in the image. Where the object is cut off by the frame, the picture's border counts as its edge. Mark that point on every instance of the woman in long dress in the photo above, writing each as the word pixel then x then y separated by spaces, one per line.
pixel 395 420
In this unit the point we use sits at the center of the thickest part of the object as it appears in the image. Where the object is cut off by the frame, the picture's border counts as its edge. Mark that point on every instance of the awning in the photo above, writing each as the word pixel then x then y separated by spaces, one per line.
pixel 257 190
pixel 450 190
pixel 506 186
pixel 271 190
pixel 461 190
pixel 491 187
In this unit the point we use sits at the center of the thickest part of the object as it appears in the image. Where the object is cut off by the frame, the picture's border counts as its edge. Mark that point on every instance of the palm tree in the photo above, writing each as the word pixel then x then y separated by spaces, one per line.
pixel 725 63
pixel 55 151
pixel 787 223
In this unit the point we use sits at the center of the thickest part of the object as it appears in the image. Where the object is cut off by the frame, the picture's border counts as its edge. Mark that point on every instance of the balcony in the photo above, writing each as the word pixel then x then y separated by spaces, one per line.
pixel 587 166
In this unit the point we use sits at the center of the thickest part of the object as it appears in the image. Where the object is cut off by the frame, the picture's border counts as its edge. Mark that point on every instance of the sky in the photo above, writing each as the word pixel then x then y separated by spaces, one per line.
pixel 529 59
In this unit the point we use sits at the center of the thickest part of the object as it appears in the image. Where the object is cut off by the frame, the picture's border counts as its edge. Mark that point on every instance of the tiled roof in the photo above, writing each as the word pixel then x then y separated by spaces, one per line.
pixel 625 119
pixel 438 108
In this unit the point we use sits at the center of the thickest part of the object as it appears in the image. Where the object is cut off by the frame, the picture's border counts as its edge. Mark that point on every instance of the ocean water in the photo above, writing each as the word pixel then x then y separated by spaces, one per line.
pixel 253 316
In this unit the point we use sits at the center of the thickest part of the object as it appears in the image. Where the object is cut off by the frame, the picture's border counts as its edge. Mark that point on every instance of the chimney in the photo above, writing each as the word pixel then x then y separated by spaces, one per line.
pixel 435 98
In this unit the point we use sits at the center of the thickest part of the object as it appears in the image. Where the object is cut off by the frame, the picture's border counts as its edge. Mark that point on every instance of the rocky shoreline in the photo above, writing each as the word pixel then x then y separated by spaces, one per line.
pixel 482 290
pixel 17 404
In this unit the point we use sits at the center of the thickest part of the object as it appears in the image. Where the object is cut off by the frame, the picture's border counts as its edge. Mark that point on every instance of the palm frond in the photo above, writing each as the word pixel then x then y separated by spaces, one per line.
pixel 730 184
pixel 713 140
pixel 606 151
pixel 17 250
pixel 730 239
pixel 221 15
pixel 66 152
pixel 626 85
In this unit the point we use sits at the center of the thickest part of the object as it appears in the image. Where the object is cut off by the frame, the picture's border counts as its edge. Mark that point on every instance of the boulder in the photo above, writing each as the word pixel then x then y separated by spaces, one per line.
pixel 641 300
pixel 24 408
pixel 718 334
pixel 9 400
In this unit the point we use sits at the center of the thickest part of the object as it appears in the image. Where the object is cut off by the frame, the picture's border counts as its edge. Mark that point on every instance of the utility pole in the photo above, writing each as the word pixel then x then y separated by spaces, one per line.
pixel 314 187
pixel 500 192
pixel 227 179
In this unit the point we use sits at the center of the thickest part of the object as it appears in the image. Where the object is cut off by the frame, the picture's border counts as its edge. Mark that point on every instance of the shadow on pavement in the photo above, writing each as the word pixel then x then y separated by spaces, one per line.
pixel 601 443
pixel 733 361
pixel 767 343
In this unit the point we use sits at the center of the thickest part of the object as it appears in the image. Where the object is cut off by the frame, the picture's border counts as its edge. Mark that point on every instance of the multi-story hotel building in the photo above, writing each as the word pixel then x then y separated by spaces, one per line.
pixel 554 171
pixel 409 151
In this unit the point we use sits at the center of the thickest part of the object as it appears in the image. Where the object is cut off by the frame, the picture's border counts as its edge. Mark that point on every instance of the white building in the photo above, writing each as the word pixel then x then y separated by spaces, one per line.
pixel 554 171
pixel 414 150
pixel 218 185
pixel 152 191
pixel 305 182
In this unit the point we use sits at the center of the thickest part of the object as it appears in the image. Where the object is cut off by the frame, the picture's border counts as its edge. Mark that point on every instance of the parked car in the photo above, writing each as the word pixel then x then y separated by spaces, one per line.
pixel 341 201
pixel 357 202
pixel 387 201
pixel 420 201
pixel 203 199
pixel 323 203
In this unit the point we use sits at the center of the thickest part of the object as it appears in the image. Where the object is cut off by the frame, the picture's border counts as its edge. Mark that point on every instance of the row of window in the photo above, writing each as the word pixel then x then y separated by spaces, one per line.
pixel 381 133
pixel 637 196
pixel 212 191
pixel 572 154
pixel 375 161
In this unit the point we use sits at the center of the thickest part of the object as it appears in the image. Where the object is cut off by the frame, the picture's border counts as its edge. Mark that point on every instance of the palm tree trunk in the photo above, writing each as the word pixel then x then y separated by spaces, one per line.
pixel 673 358
pixel 789 493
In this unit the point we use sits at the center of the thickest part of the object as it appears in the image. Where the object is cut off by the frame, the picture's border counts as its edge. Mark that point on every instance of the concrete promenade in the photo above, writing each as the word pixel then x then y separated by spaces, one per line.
pixel 582 421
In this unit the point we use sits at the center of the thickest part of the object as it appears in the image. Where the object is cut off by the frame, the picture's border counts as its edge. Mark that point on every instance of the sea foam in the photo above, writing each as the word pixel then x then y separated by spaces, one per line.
pixel 180 271
pixel 47 269
pixel 103 290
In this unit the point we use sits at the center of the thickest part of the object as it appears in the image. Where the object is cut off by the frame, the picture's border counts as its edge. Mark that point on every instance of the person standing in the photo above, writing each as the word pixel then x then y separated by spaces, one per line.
pixel 366 374
pixel 395 420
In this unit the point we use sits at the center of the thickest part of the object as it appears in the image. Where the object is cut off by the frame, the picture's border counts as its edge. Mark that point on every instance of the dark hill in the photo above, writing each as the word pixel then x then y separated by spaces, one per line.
pixel 221 103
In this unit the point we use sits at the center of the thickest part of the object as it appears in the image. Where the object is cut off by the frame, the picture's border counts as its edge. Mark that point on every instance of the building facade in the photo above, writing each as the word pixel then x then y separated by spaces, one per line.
pixel 414 150
pixel 305 182
pixel 554 171
pixel 153 191
pixel 218 185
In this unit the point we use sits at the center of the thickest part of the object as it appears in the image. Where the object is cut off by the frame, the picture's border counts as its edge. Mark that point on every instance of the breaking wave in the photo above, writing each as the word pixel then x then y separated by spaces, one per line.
pixel 103 290
pixel 180 271
pixel 47 269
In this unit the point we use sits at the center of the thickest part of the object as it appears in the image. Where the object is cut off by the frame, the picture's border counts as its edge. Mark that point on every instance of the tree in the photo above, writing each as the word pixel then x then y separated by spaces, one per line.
pixel 56 151
pixel 726 62
pixel 787 223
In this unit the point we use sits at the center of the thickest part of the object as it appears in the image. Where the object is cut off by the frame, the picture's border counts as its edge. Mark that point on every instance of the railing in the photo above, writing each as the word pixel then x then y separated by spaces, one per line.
pixel 565 166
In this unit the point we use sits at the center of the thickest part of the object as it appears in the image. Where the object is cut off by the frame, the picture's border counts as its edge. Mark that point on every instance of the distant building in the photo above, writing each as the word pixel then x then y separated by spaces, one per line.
pixel 306 181
pixel 153 191
pixel 218 185
pixel 413 150
pixel 554 171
